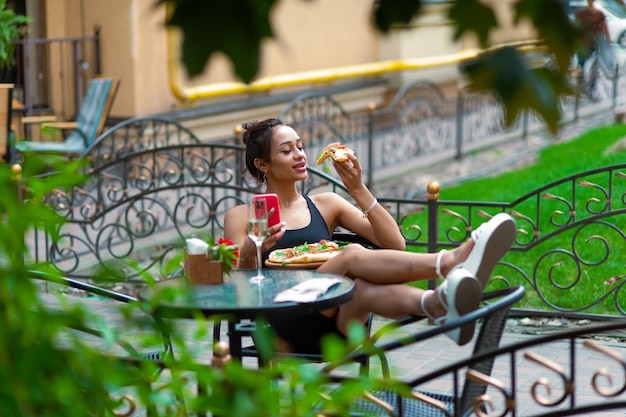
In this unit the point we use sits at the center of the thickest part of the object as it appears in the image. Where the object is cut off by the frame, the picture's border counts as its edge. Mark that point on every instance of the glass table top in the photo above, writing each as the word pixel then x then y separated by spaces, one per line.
pixel 241 297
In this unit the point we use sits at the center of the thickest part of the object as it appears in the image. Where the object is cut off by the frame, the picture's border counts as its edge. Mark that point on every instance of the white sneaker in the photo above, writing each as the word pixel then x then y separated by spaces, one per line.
pixel 460 294
pixel 491 241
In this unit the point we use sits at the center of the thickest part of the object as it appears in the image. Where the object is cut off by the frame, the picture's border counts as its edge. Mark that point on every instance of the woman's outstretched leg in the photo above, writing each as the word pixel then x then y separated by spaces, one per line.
pixel 478 255
pixel 388 266
pixel 460 295
pixel 391 301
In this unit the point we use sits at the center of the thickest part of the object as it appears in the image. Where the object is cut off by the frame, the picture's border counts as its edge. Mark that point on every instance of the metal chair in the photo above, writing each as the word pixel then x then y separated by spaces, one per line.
pixel 112 295
pixel 155 360
pixel 89 123
pixel 492 316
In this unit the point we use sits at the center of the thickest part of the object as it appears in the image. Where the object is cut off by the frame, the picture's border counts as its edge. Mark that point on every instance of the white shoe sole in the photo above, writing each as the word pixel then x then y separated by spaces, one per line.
pixel 463 295
pixel 491 241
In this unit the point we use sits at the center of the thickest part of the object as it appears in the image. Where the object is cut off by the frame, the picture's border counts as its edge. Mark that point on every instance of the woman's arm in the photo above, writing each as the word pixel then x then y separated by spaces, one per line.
pixel 372 221
pixel 378 226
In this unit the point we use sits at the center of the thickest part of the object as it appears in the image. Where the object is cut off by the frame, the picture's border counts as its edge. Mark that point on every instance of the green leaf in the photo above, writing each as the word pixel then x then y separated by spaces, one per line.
pixel 235 28
pixel 504 73
pixel 333 348
pixel 471 16
pixel 10 25
pixel 389 12
pixel 553 26
pixel 264 339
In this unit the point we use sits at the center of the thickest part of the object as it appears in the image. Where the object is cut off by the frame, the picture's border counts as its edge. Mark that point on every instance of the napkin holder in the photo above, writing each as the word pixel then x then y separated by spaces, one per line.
pixel 200 271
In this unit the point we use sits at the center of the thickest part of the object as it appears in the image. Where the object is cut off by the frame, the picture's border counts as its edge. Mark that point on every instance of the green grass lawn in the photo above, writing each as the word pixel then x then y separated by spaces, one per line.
pixel 565 287
pixel 583 153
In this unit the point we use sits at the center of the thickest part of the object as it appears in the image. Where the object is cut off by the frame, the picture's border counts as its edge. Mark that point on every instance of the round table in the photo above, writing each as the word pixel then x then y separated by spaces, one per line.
pixel 238 298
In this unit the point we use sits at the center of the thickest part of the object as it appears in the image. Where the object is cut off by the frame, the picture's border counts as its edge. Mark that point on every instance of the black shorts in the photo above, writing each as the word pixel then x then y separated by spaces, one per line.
pixel 304 333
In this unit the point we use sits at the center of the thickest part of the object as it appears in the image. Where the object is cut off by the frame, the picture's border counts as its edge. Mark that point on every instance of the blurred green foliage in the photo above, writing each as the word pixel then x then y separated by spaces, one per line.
pixel 10 25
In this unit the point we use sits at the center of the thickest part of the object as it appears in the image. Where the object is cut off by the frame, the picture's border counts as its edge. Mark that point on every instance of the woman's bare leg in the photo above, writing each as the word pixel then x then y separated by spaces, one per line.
pixel 478 256
pixel 391 301
pixel 387 266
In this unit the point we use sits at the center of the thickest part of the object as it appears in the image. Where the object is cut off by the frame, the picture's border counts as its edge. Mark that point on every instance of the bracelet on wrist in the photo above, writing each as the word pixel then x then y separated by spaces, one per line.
pixel 370 208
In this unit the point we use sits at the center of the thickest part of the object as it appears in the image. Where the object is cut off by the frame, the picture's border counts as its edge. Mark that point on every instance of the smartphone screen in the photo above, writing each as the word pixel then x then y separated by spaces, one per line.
pixel 272 203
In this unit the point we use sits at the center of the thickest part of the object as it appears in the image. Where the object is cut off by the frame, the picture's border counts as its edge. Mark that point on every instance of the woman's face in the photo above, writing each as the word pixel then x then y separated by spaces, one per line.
pixel 287 157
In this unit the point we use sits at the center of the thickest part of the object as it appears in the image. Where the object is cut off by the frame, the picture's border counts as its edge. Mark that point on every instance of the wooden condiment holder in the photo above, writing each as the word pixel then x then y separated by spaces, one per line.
pixel 200 270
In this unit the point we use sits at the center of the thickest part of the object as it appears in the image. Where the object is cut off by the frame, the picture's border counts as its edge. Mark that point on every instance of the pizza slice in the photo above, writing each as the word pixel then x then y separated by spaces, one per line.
pixel 305 253
pixel 334 150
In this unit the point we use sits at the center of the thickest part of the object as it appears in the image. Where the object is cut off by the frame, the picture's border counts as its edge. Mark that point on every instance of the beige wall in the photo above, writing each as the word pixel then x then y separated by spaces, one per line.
pixel 118 60
pixel 509 32
pixel 310 35
pixel 151 93
pixel 320 34
pixel 57 27
pixel 134 45
pixel 428 35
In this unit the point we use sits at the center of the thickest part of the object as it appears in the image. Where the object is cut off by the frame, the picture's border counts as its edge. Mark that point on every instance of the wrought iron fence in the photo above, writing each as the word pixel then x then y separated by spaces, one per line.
pixel 569 373
pixel 421 123
pixel 570 229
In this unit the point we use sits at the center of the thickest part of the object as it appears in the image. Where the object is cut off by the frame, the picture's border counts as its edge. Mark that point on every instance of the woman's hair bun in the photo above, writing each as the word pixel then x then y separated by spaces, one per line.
pixel 246 128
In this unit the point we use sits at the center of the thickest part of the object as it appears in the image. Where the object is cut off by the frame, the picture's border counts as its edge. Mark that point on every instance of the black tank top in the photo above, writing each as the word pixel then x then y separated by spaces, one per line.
pixel 314 232
pixel 304 333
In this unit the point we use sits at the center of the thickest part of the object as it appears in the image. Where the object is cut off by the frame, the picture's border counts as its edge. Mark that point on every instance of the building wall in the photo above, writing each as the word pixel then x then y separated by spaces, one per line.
pixel 118 19
pixel 309 35
pixel 428 35
pixel 56 27
pixel 509 31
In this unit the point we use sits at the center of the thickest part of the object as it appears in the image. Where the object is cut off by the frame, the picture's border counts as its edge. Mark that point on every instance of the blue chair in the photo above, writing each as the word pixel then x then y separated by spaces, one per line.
pixel 89 122
pixel 417 399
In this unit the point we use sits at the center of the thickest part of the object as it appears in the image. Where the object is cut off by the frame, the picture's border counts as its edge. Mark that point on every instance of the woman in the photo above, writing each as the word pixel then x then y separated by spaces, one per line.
pixel 275 156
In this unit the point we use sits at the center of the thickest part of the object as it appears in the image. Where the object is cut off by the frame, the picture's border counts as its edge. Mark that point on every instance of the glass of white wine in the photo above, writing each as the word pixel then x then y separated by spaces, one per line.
pixel 257 230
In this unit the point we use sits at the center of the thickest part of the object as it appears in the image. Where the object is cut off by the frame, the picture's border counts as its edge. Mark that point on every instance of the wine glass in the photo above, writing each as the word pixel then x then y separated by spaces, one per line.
pixel 257 230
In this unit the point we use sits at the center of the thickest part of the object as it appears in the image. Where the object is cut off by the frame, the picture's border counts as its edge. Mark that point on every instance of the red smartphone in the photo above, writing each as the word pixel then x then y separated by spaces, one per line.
pixel 271 200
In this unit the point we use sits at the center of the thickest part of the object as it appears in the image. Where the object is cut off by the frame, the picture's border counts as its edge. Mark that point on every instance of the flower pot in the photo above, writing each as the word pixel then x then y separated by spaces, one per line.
pixel 199 270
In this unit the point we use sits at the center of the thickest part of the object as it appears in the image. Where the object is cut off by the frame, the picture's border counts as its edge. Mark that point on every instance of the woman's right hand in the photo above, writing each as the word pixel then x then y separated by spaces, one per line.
pixel 274 234
pixel 247 251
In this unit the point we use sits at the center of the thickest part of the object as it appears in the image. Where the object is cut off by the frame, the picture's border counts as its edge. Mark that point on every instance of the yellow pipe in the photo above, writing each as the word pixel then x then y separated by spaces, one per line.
pixel 317 76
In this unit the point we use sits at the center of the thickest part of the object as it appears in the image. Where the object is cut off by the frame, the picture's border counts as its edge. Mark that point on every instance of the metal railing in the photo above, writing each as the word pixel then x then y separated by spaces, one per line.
pixel 47 64
pixel 422 125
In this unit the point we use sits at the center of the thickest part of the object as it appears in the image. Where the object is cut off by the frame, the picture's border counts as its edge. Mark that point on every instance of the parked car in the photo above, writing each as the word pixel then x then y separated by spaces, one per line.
pixel 615 12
